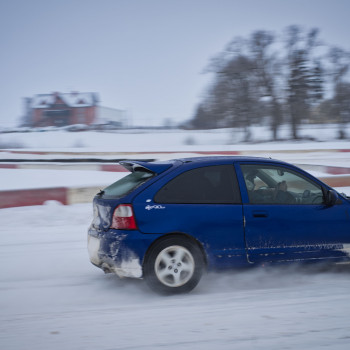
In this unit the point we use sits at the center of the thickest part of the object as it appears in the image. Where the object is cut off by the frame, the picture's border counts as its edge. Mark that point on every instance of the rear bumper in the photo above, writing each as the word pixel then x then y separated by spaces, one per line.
pixel 93 250
pixel 118 251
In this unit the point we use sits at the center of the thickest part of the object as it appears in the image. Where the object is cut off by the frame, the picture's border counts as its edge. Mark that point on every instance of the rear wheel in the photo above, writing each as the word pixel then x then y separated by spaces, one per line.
pixel 173 265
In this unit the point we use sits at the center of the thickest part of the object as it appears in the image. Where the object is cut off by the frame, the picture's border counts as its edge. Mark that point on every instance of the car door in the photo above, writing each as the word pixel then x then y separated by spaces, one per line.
pixel 203 203
pixel 286 217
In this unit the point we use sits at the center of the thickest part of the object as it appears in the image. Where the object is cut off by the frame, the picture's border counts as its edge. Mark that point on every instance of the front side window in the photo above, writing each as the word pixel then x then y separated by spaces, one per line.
pixel 206 185
pixel 279 185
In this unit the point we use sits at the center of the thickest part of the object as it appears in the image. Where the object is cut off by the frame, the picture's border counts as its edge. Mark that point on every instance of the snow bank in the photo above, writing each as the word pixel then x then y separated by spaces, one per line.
pixel 173 140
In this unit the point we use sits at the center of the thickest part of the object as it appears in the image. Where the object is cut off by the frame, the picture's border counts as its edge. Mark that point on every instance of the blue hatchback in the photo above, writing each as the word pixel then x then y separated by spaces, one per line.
pixel 168 221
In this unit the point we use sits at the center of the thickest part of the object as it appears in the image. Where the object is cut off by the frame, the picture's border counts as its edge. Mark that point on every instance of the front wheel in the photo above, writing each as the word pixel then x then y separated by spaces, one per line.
pixel 173 265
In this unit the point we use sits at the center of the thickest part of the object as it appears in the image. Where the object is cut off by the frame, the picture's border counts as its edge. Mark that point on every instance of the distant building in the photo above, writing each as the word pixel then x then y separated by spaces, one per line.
pixel 111 116
pixel 61 109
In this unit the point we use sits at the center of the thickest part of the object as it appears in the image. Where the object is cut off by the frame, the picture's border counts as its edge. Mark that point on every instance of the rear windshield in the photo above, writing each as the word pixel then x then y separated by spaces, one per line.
pixel 127 184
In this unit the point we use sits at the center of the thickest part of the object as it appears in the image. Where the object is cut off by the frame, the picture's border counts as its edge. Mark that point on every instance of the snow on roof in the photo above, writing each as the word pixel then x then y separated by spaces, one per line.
pixel 73 99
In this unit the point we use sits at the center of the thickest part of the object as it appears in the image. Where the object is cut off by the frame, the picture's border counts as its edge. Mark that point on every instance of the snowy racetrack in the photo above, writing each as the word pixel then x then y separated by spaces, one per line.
pixel 53 298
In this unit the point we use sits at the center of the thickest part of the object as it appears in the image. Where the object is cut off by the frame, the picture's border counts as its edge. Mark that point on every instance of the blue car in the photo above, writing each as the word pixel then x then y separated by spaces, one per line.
pixel 169 221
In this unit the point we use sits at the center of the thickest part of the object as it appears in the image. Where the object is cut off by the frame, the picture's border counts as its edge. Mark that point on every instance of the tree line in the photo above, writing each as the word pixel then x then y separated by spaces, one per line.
pixel 292 78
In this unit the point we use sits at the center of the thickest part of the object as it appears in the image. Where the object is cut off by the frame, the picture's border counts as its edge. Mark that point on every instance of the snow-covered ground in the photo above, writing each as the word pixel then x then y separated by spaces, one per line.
pixel 173 140
pixel 51 297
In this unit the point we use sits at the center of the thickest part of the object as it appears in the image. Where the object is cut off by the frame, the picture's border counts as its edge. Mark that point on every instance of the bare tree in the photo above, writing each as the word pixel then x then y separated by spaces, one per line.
pixel 267 70
pixel 253 81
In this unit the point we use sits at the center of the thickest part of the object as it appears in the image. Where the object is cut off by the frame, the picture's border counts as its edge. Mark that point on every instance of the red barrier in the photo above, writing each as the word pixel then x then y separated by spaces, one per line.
pixel 336 181
pixel 21 198
pixel 337 170
pixel 8 166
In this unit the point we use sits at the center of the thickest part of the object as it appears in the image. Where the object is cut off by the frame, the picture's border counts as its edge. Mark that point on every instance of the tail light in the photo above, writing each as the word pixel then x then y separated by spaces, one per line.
pixel 124 218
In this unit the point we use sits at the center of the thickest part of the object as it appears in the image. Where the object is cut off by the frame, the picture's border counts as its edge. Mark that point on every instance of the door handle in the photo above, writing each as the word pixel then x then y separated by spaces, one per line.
pixel 260 214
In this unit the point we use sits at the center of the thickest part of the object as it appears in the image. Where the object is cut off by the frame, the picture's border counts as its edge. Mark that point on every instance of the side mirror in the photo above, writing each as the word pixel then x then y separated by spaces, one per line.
pixel 331 198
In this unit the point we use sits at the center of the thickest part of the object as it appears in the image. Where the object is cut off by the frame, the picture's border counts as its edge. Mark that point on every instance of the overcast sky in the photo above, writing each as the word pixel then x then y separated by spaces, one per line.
pixel 145 56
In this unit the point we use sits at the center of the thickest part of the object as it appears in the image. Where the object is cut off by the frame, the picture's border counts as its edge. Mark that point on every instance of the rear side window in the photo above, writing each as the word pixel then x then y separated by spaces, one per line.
pixel 127 184
pixel 206 185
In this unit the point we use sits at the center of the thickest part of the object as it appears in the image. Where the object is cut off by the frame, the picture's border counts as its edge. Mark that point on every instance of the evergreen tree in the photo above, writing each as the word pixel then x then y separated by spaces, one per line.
pixel 298 88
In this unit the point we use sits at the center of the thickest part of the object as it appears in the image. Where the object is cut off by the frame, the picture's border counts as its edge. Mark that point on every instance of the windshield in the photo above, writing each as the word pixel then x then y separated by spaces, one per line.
pixel 127 184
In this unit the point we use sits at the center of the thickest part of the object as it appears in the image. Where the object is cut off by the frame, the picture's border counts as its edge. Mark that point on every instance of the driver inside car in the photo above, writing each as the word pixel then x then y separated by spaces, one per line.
pixel 282 196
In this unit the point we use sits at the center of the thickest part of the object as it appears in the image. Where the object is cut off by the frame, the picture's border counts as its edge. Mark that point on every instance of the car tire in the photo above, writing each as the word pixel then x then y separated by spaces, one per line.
pixel 173 265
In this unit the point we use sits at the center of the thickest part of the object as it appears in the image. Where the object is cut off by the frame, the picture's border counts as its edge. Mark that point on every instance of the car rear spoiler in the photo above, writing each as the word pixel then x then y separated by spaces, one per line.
pixel 153 167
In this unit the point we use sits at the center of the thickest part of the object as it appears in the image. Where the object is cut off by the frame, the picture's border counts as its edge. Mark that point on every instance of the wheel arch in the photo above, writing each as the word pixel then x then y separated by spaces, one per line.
pixel 180 235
